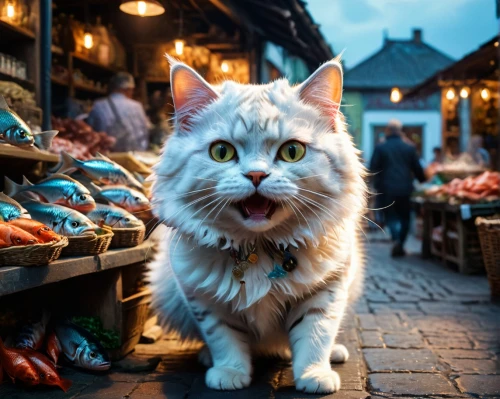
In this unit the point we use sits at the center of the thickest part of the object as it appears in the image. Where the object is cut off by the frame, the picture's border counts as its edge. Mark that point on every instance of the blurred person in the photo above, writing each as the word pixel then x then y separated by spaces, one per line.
pixel 120 116
pixel 438 155
pixel 435 165
pixel 395 164
pixel 476 151
pixel 452 149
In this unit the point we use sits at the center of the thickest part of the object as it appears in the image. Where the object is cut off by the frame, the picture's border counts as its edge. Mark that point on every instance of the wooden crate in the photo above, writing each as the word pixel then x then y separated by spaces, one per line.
pixel 460 245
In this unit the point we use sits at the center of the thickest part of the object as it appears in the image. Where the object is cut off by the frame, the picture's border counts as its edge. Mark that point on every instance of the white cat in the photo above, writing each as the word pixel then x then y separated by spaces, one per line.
pixel 263 190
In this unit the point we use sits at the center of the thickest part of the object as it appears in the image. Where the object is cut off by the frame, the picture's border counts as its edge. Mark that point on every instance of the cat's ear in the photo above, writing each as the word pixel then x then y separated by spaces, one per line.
pixel 323 88
pixel 190 92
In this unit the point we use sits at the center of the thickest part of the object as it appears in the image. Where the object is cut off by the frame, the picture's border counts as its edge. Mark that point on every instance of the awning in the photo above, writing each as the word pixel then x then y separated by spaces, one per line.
pixel 481 64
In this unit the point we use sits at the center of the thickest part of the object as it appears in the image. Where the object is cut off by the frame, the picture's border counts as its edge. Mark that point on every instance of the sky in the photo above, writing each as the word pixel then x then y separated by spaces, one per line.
pixel 455 27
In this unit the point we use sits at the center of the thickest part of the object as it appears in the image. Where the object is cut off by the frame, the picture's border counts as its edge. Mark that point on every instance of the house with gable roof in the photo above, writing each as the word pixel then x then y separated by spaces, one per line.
pixel 374 93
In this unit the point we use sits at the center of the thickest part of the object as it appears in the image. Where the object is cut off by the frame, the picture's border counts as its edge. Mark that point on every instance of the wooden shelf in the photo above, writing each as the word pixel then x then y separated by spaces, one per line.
pixel 14 278
pixel 9 151
pixel 57 50
pixel 27 84
pixel 16 31
pixel 90 89
pixel 93 63
pixel 59 81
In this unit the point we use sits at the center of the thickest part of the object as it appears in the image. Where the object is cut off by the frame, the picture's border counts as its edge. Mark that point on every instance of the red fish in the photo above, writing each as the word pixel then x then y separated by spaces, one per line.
pixel 3 244
pixel 37 229
pixel 15 236
pixel 54 348
pixel 46 370
pixel 18 366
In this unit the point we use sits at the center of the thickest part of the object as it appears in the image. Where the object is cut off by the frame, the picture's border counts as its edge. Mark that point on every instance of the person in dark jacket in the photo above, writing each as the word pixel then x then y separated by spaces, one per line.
pixel 395 164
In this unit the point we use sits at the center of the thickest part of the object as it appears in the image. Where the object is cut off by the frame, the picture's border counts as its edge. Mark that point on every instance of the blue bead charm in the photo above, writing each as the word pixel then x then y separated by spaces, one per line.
pixel 278 272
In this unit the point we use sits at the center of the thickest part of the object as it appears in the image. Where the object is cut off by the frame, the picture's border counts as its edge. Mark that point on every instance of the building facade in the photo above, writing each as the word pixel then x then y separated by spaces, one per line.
pixel 375 93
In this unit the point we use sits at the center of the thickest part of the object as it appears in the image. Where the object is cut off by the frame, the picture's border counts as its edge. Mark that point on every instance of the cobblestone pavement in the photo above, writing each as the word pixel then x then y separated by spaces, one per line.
pixel 427 331
pixel 419 331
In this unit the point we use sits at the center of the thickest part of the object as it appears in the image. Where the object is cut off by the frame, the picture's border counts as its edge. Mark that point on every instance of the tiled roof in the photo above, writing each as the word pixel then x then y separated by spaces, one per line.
pixel 400 63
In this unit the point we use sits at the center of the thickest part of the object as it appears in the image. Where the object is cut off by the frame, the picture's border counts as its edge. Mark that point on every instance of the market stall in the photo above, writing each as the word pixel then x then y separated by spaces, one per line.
pixel 75 216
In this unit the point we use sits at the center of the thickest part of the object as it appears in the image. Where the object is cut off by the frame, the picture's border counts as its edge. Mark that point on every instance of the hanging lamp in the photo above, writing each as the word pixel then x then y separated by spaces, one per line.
pixel 145 8
pixel 179 42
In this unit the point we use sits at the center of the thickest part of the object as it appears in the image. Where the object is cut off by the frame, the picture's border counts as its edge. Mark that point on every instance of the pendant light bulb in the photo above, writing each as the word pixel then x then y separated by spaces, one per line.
pixel 395 95
pixel 179 47
pixel 224 66
pixel 88 40
pixel 450 94
pixel 464 93
pixel 485 94
pixel 11 11
pixel 141 8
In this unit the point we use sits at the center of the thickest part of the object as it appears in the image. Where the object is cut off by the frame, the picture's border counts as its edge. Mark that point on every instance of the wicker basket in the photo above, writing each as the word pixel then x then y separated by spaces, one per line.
pixel 128 237
pixel 88 245
pixel 489 234
pixel 32 255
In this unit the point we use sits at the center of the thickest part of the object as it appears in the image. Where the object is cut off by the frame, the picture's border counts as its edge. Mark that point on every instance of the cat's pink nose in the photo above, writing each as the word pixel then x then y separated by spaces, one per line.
pixel 256 177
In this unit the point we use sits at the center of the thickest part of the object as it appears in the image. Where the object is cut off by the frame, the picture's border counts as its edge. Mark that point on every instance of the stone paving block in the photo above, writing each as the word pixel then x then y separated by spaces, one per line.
pixel 443 308
pixel 257 390
pixel 377 297
pixel 400 360
pixel 16 391
pixel 474 366
pixel 480 384
pixel 449 343
pixel 107 390
pixel 289 394
pixel 160 390
pixel 403 341
pixel 367 322
pixel 411 384
pixel 371 339
pixel 391 322
pixel 464 354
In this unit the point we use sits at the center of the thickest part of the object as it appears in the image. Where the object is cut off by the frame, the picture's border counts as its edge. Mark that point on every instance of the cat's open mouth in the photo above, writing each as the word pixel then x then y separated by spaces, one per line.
pixel 257 207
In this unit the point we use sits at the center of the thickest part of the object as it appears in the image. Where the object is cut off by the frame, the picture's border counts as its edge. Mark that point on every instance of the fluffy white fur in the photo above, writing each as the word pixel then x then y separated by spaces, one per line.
pixel 320 199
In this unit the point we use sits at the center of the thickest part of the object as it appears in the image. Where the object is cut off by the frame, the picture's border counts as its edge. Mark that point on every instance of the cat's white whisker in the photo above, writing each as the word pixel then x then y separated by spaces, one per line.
pixel 308 177
pixel 308 207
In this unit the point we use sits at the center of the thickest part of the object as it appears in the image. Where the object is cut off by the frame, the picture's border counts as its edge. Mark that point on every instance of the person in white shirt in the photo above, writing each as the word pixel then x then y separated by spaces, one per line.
pixel 120 116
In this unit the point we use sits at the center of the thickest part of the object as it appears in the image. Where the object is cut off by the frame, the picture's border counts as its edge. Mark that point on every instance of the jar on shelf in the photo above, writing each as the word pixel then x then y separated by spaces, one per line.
pixel 21 70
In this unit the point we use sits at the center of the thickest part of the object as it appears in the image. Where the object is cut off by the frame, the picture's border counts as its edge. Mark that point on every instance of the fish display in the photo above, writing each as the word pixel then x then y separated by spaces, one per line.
pixel 32 335
pixel 46 370
pixel 13 235
pixel 10 209
pixel 53 347
pixel 18 366
pixel 122 196
pixel 57 189
pixel 113 216
pixel 37 229
pixel 101 169
pixel 81 348
pixel 13 130
pixel 64 221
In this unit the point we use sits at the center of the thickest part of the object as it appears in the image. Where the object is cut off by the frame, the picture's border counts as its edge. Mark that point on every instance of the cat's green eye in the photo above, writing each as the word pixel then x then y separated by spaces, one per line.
pixel 222 151
pixel 292 151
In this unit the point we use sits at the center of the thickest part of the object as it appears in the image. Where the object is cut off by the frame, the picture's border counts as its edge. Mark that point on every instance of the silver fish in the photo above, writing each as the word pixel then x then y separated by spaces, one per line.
pixel 81 348
pixel 57 189
pixel 32 335
pixel 64 221
pixel 13 130
pixel 100 168
pixel 10 209
pixel 122 196
pixel 113 216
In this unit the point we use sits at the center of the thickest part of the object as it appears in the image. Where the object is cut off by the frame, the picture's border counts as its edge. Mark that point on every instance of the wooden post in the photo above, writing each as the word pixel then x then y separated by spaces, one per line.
pixel 46 61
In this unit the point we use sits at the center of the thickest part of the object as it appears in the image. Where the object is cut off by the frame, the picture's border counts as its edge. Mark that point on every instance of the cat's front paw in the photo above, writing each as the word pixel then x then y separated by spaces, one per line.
pixel 318 380
pixel 227 379
pixel 339 354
